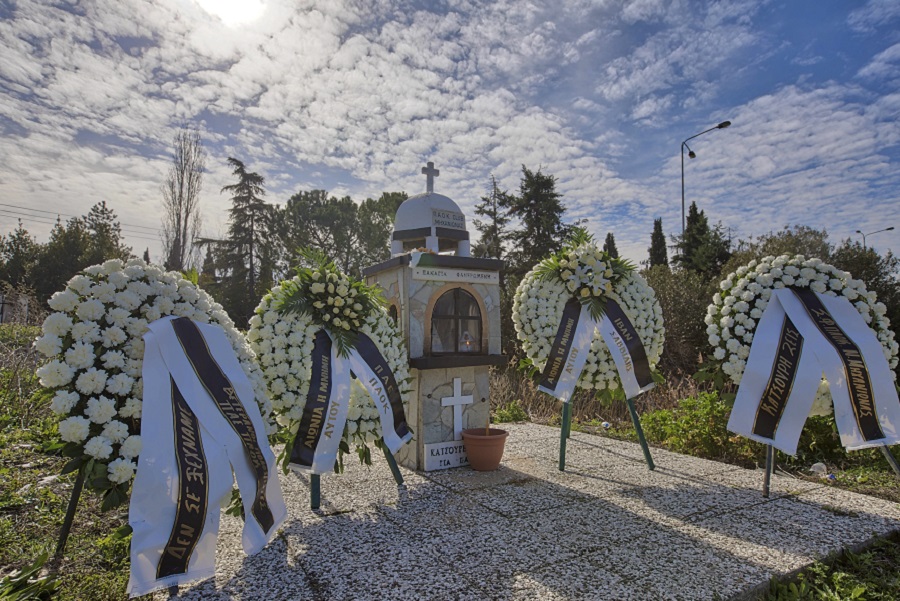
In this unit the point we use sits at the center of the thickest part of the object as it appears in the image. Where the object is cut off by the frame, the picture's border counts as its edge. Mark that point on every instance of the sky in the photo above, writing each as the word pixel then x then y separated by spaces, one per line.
pixel 354 97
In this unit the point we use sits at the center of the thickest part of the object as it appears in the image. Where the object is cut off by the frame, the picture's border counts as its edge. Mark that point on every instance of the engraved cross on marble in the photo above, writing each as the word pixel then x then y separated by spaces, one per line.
pixel 457 401
pixel 430 173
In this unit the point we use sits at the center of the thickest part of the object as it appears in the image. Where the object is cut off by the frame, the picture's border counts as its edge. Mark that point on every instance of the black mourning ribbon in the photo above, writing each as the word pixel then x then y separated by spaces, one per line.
pixel 317 399
pixel 859 384
pixel 781 381
pixel 226 399
pixel 632 341
pixel 373 357
pixel 193 490
pixel 562 344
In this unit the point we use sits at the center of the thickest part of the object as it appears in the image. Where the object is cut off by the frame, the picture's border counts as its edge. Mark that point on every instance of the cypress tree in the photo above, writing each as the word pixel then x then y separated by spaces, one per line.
pixel 658 253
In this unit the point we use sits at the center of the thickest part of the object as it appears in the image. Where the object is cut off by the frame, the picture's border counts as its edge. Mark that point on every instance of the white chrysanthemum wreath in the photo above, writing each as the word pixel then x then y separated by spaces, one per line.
pixel 583 271
pixel 95 348
pixel 735 312
pixel 282 333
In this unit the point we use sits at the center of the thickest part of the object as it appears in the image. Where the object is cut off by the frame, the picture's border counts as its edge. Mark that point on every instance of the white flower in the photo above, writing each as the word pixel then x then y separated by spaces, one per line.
pixel 115 431
pixel 54 374
pixel 120 470
pixel 63 401
pixel 90 310
pixel 113 360
pixel 100 409
pixel 120 384
pixel 92 381
pixel 48 345
pixel 64 301
pixel 74 429
pixel 57 324
pixel 80 355
pixel 131 408
pixel 131 447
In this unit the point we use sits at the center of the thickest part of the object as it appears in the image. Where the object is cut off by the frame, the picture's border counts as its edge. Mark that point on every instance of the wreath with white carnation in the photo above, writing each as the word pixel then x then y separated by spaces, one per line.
pixel 282 333
pixel 735 312
pixel 95 348
pixel 583 271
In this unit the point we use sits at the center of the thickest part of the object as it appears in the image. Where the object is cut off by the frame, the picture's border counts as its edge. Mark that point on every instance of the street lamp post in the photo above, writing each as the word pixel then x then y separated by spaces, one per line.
pixel 887 229
pixel 692 154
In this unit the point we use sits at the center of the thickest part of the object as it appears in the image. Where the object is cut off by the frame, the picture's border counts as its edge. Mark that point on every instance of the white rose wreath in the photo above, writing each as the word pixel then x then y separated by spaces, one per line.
pixel 583 271
pixel 282 333
pixel 95 348
pixel 735 312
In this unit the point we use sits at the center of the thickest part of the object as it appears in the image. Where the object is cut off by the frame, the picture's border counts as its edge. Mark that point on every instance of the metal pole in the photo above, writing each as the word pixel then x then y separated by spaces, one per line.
pixel 640 434
pixel 398 477
pixel 70 514
pixel 315 491
pixel 564 434
pixel 890 459
pixel 682 191
pixel 770 462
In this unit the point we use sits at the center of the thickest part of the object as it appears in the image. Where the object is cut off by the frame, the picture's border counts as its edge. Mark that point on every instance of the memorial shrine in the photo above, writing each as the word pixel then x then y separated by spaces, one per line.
pixel 447 306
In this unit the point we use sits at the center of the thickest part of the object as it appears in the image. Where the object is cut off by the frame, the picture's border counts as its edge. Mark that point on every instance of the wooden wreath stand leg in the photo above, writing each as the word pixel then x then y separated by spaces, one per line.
pixel 70 515
pixel 315 481
pixel 640 434
pixel 564 434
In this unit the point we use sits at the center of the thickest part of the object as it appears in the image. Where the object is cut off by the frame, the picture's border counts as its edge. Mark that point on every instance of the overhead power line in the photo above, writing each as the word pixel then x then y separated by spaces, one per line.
pixel 144 227
pixel 47 221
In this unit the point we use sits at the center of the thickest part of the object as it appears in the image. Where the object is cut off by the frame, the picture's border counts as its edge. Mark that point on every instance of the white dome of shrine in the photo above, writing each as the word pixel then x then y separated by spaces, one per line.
pixel 431 221
pixel 421 210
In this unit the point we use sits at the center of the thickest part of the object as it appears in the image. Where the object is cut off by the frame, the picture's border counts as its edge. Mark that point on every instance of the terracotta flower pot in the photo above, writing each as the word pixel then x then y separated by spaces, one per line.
pixel 484 450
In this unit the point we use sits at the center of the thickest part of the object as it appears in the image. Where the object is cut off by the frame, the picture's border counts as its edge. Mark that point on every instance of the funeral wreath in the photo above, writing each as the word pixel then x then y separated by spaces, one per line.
pixel 282 334
pixel 95 350
pixel 735 312
pixel 584 272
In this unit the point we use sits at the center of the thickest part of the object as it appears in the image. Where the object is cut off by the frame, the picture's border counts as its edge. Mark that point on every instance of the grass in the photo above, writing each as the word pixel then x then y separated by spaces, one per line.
pixel 869 575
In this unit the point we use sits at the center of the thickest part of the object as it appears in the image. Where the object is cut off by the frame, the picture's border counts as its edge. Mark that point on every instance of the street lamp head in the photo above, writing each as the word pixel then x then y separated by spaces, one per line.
pixel 889 229
pixel 692 154
pixel 858 231
pixel 723 124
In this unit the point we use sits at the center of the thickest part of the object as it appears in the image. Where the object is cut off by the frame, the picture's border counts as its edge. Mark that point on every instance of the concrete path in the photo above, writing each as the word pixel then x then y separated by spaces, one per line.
pixel 606 528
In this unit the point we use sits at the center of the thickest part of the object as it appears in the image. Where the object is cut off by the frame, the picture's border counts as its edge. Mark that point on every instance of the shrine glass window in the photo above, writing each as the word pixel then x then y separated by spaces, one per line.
pixel 456 324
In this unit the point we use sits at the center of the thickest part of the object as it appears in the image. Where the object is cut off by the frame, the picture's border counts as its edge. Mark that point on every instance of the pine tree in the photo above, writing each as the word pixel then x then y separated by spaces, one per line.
pixel 147 255
pixel 658 253
pixel 493 232
pixel 539 210
pixel 105 240
pixel 609 246
pixel 18 253
pixel 61 257
pixel 248 252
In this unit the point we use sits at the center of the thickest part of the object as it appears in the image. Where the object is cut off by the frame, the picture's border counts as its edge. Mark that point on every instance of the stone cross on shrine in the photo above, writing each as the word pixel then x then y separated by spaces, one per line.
pixel 430 173
pixel 457 401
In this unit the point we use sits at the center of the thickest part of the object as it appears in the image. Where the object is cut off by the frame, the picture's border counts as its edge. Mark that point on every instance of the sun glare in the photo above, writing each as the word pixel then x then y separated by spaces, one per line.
pixel 233 12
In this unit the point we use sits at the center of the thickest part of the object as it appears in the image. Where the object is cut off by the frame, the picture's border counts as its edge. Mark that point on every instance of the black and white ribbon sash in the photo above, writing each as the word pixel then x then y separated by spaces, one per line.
pixel 570 349
pixel 626 349
pixel 200 422
pixel 327 403
pixel 801 335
